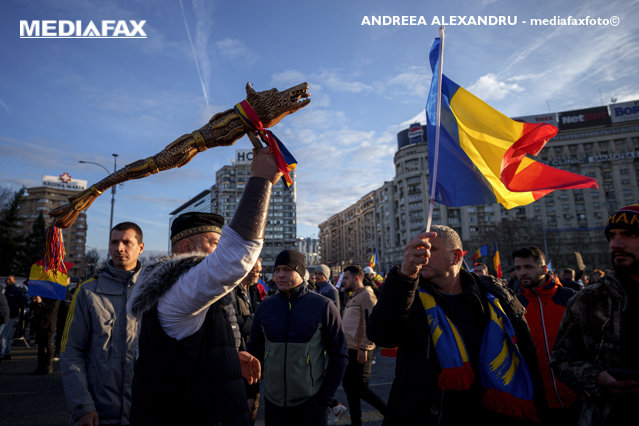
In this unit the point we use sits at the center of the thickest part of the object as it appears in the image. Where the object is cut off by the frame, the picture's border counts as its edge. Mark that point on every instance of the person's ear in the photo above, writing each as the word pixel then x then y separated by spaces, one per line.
pixel 458 255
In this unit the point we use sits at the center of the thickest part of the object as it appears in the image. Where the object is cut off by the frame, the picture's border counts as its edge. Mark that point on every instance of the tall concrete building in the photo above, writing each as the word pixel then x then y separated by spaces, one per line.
pixel 600 142
pixel 54 192
pixel 311 249
pixel 224 196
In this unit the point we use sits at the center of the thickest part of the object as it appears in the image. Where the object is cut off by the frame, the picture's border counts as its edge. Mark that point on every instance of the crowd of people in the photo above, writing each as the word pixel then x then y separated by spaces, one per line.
pixel 194 338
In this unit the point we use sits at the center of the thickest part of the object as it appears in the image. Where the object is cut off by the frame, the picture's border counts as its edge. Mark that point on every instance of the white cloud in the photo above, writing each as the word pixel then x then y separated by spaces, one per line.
pixel 288 78
pixel 333 81
pixel 488 87
pixel 420 117
pixel 236 51
pixel 45 155
pixel 337 167
pixel 318 118
pixel 415 81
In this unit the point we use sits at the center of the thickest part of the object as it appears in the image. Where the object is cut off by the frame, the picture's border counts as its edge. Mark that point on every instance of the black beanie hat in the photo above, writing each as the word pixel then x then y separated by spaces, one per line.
pixel 293 259
pixel 625 218
pixel 192 223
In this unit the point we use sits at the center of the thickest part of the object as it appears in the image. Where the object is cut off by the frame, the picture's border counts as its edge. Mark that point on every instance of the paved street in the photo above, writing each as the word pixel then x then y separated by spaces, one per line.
pixel 27 400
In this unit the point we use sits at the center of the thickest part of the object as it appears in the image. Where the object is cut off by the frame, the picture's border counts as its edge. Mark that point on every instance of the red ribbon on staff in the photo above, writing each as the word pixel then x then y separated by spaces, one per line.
pixel 285 161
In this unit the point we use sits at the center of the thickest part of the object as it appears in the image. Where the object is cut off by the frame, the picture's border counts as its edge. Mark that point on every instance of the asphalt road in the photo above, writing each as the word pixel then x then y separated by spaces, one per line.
pixel 27 400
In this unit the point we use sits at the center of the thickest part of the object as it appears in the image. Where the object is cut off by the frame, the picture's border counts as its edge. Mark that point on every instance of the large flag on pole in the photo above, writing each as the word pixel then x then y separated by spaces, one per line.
pixel 482 153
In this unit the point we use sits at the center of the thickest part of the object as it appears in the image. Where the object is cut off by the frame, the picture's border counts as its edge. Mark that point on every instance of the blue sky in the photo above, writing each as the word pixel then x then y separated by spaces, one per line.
pixel 64 100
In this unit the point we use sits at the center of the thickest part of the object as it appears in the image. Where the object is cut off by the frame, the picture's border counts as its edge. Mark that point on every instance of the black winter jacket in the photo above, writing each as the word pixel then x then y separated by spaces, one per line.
pixel 287 325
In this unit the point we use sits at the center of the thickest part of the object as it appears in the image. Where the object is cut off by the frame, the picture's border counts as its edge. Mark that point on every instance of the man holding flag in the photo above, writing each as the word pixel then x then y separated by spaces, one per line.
pixel 457 360
pixel 464 350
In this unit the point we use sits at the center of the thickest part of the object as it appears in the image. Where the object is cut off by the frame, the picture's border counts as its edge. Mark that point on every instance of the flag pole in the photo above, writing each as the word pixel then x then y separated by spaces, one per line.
pixel 440 71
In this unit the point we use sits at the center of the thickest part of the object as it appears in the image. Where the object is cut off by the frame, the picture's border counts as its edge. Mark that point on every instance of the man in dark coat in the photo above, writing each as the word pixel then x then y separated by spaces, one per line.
pixel 445 323
pixel 597 350
pixel 17 299
pixel 298 335
pixel 45 318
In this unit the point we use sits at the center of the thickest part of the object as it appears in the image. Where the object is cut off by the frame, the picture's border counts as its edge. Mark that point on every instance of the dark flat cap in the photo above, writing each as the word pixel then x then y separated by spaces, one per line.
pixel 192 223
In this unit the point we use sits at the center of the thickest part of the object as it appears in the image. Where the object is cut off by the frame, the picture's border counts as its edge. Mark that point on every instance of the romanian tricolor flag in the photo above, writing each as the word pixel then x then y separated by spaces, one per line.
pixel 285 161
pixel 373 260
pixel 483 154
pixel 497 263
pixel 50 283
pixel 480 252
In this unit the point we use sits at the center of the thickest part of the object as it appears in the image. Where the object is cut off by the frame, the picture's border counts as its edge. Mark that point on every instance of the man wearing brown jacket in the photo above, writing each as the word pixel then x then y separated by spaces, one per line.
pixel 360 349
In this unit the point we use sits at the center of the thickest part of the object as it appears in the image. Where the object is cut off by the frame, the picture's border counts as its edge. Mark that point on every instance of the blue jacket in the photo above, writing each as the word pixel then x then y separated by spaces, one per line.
pixel 327 289
pixel 290 336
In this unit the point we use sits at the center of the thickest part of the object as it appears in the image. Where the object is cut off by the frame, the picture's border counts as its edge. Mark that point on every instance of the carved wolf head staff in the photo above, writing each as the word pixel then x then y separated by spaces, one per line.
pixel 222 130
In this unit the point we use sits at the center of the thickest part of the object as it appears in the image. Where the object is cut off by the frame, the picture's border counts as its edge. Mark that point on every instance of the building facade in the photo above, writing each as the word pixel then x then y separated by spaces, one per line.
pixel 53 193
pixel 311 249
pixel 600 142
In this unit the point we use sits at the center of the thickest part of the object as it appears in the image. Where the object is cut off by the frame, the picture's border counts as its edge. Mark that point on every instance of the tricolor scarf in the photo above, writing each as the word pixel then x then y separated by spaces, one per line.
pixel 508 386
pixel 286 163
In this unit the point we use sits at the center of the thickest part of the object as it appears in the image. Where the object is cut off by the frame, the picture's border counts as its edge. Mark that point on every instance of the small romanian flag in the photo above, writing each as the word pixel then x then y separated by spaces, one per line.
pixel 481 252
pixel 373 260
pixel 497 263
pixel 285 161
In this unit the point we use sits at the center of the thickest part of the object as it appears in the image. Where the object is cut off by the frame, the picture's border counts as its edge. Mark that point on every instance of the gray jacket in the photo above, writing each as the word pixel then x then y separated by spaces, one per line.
pixel 98 348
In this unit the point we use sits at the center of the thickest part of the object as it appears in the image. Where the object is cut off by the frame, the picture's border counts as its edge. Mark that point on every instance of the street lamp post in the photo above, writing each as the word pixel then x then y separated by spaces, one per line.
pixel 115 156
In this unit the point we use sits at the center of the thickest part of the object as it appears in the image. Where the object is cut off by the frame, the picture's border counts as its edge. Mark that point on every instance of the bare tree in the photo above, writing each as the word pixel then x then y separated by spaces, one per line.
pixel 11 238
pixel 92 258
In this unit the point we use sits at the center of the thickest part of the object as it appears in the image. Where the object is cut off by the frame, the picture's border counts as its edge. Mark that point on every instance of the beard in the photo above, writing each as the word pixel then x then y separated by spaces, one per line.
pixel 624 269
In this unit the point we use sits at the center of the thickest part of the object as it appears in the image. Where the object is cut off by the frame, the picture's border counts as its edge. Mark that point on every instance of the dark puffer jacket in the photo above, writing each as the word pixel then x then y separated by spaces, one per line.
pixel 290 337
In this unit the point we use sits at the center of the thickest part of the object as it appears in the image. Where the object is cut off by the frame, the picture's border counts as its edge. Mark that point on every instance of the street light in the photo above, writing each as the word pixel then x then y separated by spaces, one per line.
pixel 115 156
